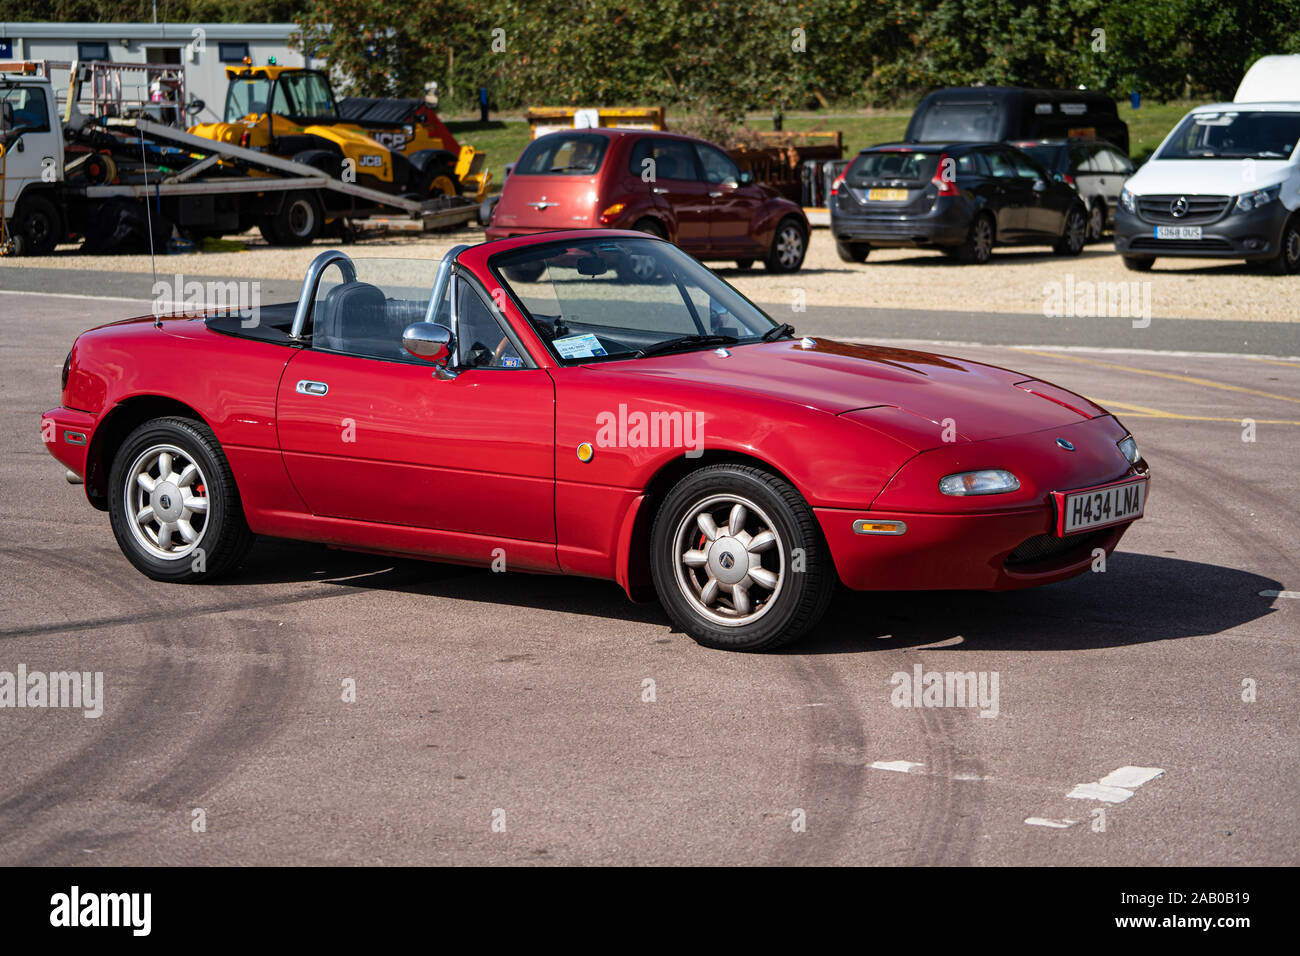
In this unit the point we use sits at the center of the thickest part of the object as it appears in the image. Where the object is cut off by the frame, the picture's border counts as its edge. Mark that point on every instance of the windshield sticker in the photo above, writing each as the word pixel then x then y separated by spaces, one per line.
pixel 579 346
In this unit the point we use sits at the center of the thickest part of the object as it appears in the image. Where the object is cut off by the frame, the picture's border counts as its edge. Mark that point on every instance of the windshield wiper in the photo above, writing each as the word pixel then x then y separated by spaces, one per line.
pixel 685 341
pixel 779 332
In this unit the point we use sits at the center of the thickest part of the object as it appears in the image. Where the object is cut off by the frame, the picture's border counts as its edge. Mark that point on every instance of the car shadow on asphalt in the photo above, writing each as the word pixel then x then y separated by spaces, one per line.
pixel 1140 598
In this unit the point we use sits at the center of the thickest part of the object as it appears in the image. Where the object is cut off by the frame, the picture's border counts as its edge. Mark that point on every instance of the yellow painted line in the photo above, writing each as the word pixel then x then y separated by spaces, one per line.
pixel 1141 411
pixel 1256 358
pixel 1177 378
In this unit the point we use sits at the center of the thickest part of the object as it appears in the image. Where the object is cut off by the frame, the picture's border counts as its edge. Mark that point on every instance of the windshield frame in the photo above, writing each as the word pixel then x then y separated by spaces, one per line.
pixel 540 330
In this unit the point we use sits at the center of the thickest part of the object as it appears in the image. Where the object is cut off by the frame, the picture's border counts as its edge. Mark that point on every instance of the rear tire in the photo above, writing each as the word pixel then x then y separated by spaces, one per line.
pixel 763 578
pixel 297 223
pixel 173 503
pixel 789 247
pixel 852 251
pixel 1138 263
pixel 1097 221
pixel 977 248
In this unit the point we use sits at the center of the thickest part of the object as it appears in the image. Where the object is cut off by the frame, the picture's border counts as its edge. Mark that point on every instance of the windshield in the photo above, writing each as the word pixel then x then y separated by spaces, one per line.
pixel 892 164
pixel 246 96
pixel 563 154
pixel 958 123
pixel 1234 134
pixel 596 299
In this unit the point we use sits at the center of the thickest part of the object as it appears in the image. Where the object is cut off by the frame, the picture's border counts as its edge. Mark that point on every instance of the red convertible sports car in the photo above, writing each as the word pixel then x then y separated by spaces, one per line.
pixel 592 403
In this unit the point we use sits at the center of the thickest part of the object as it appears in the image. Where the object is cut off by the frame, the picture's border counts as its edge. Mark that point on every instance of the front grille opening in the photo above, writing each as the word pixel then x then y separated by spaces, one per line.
pixel 1045 547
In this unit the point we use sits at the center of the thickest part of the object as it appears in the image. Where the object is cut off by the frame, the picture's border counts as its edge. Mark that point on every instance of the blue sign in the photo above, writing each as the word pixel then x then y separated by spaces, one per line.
pixel 6 49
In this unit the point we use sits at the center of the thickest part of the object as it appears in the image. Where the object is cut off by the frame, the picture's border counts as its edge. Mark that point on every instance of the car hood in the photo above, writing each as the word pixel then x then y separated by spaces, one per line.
pixel 917 394
pixel 1216 177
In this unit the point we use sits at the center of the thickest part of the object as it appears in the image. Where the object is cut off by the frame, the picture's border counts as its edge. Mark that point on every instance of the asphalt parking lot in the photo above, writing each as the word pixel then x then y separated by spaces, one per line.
pixel 506 718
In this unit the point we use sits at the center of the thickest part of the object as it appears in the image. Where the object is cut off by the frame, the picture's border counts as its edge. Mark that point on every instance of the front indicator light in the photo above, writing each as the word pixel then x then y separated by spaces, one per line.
pixel 994 481
pixel 610 212
pixel 862 526
pixel 1130 449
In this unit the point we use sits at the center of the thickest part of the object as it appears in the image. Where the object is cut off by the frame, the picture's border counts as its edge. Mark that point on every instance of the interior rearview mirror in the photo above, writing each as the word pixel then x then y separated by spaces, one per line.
pixel 592 266
pixel 428 341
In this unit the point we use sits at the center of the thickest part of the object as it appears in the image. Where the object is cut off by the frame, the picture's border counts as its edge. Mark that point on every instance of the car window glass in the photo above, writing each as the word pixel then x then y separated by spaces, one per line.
pixel 972 164
pixel 1093 161
pixel 718 167
pixel 1025 168
pixel 674 159
pixel 365 314
pixel 1116 162
pixel 28 103
pixel 563 154
pixel 1000 164
pixel 481 337
pixel 639 156
pixel 892 164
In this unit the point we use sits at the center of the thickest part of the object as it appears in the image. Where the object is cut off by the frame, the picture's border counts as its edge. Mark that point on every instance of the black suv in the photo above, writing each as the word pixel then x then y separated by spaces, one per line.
pixel 963 198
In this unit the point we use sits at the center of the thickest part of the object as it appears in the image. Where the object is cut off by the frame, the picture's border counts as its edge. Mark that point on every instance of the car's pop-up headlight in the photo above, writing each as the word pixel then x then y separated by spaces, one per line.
pixel 990 482
pixel 1129 447
pixel 1258 197
pixel 1126 199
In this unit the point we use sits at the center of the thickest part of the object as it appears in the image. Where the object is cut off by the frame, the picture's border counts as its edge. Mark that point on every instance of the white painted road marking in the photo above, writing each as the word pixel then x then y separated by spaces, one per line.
pixel 1282 594
pixel 898 766
pixel 1054 824
pixel 1130 778
pixel 1095 791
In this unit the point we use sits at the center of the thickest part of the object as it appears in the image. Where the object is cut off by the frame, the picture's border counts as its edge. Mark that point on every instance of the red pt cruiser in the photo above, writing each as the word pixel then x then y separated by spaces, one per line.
pixel 671 186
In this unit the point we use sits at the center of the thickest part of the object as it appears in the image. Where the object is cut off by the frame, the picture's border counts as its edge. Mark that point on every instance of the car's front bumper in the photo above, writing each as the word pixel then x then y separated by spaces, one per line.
pixel 1237 235
pixel 994 542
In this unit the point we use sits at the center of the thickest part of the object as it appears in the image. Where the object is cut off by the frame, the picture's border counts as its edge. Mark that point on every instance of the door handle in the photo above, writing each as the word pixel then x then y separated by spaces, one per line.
pixel 312 388
pixel 715 195
pixel 658 190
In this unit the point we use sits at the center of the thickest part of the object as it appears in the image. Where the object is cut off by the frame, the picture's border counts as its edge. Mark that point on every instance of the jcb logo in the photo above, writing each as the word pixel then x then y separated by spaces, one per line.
pixel 371 159
pixel 394 141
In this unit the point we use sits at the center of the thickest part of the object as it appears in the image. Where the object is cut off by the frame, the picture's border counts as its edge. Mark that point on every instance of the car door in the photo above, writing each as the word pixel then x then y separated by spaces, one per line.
pixel 370 436
pixel 677 183
pixel 1045 207
pixel 1012 193
pixel 734 207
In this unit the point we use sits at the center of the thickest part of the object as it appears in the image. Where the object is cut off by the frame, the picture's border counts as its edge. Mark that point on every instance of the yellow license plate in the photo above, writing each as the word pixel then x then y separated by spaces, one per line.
pixel 887 195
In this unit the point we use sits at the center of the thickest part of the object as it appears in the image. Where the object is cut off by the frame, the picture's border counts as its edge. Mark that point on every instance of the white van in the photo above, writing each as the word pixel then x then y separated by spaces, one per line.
pixel 1226 182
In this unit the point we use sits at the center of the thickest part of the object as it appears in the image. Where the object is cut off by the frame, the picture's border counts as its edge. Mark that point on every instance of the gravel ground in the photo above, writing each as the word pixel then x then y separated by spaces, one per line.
pixel 1021 280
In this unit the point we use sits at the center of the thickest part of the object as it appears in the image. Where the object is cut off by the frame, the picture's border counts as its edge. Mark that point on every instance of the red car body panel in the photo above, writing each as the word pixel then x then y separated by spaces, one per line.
pixel 394 460
pixel 710 221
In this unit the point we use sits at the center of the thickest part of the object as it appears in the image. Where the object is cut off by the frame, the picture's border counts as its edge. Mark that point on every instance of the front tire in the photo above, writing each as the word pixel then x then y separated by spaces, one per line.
pixel 1075 234
pixel 1287 260
pixel 789 246
pixel 173 503
pixel 37 226
pixel 1097 221
pixel 852 251
pixel 738 559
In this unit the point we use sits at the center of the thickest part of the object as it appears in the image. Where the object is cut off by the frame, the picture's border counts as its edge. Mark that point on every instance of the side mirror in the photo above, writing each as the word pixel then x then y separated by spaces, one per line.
pixel 1040 186
pixel 428 341
pixel 6 116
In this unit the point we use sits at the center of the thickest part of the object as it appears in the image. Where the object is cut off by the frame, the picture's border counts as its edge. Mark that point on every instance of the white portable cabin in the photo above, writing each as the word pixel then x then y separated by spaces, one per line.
pixel 202 50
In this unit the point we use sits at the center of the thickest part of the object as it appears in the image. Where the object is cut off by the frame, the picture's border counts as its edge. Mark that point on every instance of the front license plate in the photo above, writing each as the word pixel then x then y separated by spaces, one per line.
pixel 1099 507
pixel 887 195
pixel 1178 232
